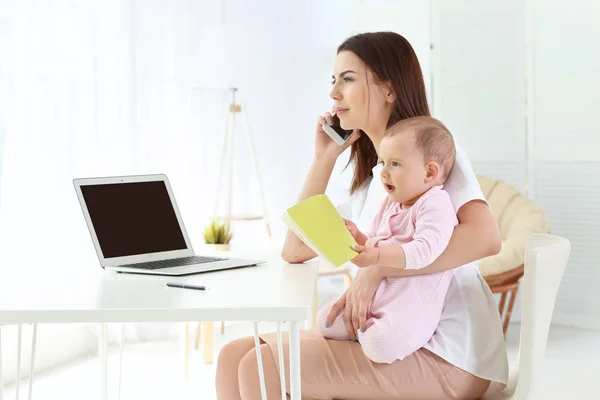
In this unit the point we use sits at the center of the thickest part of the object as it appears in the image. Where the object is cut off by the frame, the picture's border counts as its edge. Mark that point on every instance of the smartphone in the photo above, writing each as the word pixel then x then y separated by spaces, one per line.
pixel 335 131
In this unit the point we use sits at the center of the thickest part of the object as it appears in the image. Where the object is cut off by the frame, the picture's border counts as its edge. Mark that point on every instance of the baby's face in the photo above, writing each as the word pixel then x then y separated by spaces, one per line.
pixel 404 172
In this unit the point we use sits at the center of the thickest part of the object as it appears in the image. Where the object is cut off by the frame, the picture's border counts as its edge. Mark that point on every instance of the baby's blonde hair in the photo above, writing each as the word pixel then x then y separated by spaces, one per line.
pixel 431 138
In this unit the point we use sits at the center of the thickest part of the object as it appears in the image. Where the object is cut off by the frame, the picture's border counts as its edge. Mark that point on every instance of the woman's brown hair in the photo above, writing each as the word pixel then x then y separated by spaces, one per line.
pixel 391 59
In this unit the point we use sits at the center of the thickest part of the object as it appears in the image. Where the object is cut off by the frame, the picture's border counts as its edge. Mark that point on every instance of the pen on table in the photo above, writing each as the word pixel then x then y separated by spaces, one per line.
pixel 185 286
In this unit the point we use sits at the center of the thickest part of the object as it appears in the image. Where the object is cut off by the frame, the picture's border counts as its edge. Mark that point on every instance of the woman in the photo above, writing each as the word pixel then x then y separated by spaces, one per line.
pixel 378 81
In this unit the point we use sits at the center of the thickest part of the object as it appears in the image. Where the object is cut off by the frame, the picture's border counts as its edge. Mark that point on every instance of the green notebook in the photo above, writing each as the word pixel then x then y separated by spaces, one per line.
pixel 319 224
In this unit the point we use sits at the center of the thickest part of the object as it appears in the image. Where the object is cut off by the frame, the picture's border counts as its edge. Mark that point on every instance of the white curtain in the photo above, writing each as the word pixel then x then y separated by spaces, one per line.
pixel 112 87
pixel 76 109
pixel 4 50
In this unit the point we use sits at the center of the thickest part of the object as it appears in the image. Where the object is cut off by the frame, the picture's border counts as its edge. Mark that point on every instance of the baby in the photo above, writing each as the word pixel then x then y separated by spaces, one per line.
pixel 411 229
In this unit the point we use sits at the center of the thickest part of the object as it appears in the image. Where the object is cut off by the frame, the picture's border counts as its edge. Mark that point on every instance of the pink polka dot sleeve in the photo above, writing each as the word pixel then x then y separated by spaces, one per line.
pixel 434 223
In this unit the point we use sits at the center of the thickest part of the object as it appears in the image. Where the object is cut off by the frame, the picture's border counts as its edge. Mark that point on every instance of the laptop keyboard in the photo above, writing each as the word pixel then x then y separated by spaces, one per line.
pixel 175 262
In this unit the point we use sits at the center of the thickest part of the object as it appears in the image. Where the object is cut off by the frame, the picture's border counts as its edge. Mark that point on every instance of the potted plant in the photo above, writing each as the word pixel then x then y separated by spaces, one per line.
pixel 218 234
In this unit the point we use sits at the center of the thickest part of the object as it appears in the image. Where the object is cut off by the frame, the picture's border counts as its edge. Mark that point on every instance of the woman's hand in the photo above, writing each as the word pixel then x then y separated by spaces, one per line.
pixel 356 300
pixel 324 145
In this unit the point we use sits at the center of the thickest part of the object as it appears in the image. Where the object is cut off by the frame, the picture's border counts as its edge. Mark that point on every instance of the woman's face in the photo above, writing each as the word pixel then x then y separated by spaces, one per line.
pixel 359 100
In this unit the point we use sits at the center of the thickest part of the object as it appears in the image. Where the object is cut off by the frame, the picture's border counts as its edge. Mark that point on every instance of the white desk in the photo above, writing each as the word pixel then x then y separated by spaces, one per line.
pixel 275 292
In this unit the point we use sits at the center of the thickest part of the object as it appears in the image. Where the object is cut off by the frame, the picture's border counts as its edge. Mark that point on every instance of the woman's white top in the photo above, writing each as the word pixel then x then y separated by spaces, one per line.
pixel 469 334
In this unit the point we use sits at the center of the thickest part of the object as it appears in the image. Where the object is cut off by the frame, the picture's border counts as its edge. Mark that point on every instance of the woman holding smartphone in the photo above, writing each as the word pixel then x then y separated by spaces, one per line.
pixel 377 81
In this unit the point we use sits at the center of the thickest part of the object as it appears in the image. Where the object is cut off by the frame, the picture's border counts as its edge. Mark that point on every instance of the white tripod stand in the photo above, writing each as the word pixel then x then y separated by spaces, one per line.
pixel 206 328
pixel 228 147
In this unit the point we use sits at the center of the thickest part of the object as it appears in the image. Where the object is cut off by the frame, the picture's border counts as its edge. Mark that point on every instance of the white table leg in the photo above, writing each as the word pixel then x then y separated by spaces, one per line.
pixel 281 362
pixel 32 366
pixel 295 377
pixel 18 373
pixel 121 360
pixel 261 373
pixel 103 347
pixel 1 379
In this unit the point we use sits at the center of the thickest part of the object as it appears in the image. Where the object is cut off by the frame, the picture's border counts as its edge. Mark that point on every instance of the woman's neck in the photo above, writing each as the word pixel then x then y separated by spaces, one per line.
pixel 376 136
pixel 377 131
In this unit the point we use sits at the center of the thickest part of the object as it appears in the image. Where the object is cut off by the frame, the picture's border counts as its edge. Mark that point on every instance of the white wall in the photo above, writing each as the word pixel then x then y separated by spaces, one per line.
pixel 56 344
pixel 409 18
pixel 566 151
pixel 479 58
pixel 479 82
pixel 518 84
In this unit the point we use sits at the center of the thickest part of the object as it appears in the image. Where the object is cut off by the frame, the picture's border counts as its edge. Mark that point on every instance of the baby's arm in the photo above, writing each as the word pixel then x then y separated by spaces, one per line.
pixel 435 222
pixel 358 236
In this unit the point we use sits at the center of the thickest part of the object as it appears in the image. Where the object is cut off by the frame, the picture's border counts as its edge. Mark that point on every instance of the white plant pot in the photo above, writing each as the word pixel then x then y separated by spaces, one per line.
pixel 220 247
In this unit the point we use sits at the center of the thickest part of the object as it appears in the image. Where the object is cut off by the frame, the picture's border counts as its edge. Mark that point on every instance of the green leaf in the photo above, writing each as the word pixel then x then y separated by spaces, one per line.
pixel 217 232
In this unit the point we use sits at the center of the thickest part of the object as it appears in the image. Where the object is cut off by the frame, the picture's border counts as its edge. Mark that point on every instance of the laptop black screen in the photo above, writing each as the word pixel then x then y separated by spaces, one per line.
pixel 133 218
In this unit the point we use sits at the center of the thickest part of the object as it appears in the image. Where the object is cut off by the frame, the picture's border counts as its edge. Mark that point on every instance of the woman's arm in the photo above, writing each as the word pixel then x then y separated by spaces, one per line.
pixel 475 237
pixel 294 250
pixel 326 155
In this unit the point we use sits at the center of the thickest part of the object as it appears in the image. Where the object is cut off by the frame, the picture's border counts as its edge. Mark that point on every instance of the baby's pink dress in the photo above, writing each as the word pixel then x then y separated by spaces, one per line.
pixel 405 311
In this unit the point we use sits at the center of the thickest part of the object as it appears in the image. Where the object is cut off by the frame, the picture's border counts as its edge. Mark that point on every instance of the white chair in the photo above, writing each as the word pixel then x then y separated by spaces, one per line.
pixel 545 261
pixel 517 217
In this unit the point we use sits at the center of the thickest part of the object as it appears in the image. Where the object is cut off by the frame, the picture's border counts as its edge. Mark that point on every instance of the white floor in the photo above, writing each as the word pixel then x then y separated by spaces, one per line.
pixel 155 370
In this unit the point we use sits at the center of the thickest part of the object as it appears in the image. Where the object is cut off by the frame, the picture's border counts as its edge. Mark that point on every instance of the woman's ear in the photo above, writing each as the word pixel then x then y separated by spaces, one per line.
pixel 432 171
pixel 388 91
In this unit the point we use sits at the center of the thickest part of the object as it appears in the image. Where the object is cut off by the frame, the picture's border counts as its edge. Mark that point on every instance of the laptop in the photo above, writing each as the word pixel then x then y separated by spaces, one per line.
pixel 136 227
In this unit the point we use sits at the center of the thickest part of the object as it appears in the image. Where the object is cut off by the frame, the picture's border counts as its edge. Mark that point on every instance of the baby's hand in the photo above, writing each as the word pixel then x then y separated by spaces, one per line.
pixel 353 229
pixel 368 256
